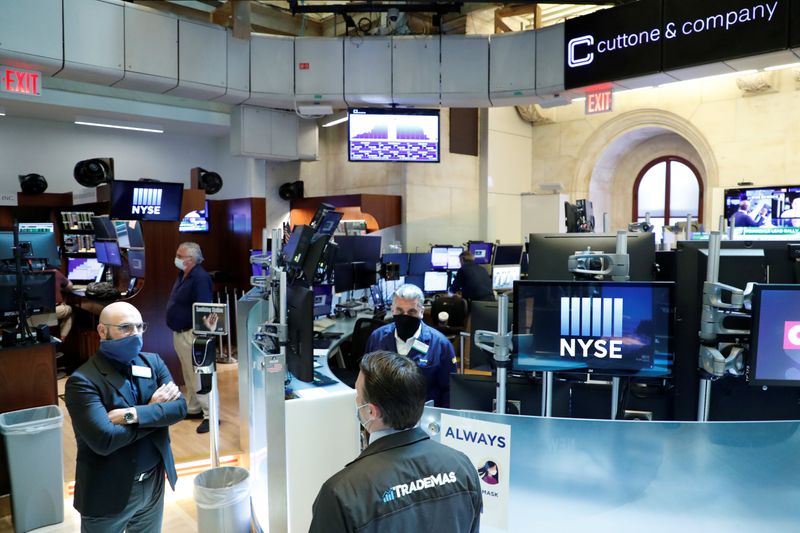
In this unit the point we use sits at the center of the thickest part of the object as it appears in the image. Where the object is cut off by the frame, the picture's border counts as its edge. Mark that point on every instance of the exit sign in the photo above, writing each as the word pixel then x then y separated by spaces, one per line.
pixel 19 81
pixel 599 102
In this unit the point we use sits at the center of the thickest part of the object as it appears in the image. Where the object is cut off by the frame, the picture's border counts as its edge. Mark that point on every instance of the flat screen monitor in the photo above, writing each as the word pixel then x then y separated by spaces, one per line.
pixel 775 336
pixel 83 269
pixel 329 222
pixel 352 248
pixel 446 257
pixel 323 300
pixel 482 252
pixel 343 277
pixel 41 246
pixel 39 293
pixel 503 277
pixel 195 221
pixel 294 252
pixel 523 395
pixel 418 264
pixel 108 253
pixel 767 211
pixel 136 262
pixel 141 200
pixel 607 328
pixel 121 228
pixel 435 282
pixel 508 254
pixel 36 227
pixel 393 135
pixel 300 348
pixel 104 228
pixel 135 233
pixel 548 253
pixel 400 259
pixel 364 275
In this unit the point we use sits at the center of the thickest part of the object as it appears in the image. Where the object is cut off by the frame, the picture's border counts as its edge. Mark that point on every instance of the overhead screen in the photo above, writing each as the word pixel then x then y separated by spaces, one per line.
pixel 393 135
pixel 140 200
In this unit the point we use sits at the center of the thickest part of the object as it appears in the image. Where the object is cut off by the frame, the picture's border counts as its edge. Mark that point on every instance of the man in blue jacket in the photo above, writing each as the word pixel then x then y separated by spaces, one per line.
pixel 409 336
pixel 122 402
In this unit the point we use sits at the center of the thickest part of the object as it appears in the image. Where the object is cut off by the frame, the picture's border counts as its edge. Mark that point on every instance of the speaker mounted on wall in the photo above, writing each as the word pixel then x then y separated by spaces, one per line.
pixel 291 190
pixel 211 182
pixel 94 172
pixel 32 183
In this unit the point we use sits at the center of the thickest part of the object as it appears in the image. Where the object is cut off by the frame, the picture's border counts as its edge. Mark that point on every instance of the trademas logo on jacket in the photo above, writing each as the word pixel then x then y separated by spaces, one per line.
pixel 404 489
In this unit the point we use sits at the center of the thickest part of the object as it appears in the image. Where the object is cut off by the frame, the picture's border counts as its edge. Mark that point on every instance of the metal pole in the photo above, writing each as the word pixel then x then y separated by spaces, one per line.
pixel 606 223
pixel 501 355
pixel 547 394
pixel 712 276
pixel 231 304
pixel 213 410
pixel 614 397
pixel 688 227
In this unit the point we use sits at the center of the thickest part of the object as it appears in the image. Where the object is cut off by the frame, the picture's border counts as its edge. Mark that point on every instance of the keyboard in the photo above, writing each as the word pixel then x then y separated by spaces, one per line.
pixel 321 380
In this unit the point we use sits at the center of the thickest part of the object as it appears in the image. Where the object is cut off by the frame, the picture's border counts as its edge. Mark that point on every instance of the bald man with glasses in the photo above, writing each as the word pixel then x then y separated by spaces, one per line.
pixel 122 402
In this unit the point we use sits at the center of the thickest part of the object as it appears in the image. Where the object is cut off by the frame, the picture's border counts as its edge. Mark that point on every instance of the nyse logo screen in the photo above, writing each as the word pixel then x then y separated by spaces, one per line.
pixel 610 328
pixel 146 201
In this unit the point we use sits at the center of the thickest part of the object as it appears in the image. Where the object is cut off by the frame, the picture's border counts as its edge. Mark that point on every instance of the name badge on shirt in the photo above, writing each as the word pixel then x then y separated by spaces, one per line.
pixel 420 346
pixel 141 371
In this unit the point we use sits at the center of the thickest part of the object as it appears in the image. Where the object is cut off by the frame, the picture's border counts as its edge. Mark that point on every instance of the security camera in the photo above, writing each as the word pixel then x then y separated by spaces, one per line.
pixel 392 13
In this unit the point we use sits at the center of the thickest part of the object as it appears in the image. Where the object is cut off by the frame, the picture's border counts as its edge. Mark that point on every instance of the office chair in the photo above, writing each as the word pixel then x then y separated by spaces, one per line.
pixel 358 343
pixel 455 306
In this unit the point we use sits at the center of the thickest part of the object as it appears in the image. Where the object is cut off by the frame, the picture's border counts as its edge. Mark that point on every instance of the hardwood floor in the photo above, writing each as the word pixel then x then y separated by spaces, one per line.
pixel 190 449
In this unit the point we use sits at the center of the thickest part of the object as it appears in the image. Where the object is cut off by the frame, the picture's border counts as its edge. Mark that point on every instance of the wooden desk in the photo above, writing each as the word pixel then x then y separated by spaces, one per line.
pixel 27 379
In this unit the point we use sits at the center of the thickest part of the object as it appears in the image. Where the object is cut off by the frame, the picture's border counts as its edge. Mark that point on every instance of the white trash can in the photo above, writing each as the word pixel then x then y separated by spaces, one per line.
pixel 222 496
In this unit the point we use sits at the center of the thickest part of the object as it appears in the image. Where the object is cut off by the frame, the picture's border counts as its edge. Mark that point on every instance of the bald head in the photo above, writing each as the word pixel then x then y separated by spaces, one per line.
pixel 116 314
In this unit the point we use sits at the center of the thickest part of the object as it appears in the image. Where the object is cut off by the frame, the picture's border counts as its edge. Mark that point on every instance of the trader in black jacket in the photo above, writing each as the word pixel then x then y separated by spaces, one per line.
pixel 472 280
pixel 122 402
pixel 402 481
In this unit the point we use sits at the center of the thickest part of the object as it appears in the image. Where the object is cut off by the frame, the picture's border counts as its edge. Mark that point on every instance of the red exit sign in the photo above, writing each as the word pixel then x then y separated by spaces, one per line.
pixel 599 102
pixel 19 81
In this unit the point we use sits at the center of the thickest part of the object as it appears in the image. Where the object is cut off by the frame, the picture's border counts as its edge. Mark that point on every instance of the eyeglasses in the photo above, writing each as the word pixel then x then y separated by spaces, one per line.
pixel 127 329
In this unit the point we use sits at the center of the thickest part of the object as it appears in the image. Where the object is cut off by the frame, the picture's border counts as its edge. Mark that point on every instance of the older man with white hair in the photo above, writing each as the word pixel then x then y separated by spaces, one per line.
pixel 122 402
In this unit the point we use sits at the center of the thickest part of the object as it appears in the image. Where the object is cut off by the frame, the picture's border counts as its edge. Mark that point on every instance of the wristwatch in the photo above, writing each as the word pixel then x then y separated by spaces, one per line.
pixel 130 416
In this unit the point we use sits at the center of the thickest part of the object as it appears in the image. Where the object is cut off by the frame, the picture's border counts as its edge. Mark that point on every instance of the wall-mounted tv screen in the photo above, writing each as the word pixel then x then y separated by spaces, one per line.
pixel 393 135
pixel 144 200
pixel 607 328
pixel 195 221
pixel 768 211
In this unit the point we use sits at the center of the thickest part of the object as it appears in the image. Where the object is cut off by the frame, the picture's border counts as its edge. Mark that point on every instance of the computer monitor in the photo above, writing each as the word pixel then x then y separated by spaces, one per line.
pixel 259 269
pixel 523 395
pixel 108 253
pixel 136 262
pixel 508 254
pixel 343 277
pixel 364 275
pixel 121 227
pixel 83 269
pixel 400 259
pixel 39 293
pixel 445 257
pixel 503 277
pixel 775 336
pixel 135 234
pixel 195 221
pixel 548 253
pixel 435 282
pixel 607 328
pixel 329 222
pixel 104 228
pixel 323 300
pixel 300 346
pixel 352 248
pixel 35 227
pixel 482 252
pixel 294 252
pixel 38 245
pixel 418 264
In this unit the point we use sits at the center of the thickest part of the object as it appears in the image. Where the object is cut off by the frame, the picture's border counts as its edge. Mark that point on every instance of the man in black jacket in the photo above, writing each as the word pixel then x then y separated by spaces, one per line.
pixel 122 402
pixel 472 280
pixel 402 481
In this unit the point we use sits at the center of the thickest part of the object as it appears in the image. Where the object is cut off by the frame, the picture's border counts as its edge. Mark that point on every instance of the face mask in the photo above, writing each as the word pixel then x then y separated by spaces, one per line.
pixel 178 263
pixel 406 326
pixel 364 423
pixel 122 350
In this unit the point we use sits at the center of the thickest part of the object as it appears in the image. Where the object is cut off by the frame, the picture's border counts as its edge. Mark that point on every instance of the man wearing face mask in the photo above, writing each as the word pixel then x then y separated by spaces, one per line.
pixel 402 481
pixel 409 336
pixel 193 284
pixel 122 402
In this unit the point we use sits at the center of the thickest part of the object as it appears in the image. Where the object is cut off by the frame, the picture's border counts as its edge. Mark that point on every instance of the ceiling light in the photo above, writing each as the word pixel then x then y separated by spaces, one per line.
pixel 2 112
pixel 118 124
pixel 781 67
pixel 332 120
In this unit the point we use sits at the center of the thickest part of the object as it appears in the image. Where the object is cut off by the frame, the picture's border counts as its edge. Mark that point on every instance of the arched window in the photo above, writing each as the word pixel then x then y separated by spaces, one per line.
pixel 668 188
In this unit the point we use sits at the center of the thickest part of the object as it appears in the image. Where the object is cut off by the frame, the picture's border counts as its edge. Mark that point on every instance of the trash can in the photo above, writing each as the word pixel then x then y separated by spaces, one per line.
pixel 222 496
pixel 33 445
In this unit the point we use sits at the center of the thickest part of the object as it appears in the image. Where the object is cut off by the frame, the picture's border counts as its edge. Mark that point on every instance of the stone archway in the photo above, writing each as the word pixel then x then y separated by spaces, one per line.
pixel 610 159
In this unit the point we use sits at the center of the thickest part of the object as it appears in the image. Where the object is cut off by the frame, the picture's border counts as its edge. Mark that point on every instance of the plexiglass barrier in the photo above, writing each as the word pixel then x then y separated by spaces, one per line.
pixel 557 474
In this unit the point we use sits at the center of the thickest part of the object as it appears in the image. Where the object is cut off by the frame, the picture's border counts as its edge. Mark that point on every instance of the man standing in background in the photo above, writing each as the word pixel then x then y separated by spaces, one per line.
pixel 193 284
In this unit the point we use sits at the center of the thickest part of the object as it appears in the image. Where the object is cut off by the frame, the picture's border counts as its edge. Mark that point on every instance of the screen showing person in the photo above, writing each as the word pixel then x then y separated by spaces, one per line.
pixel 607 328
pixel 435 282
pixel 209 319
pixel 83 269
pixel 136 263
pixel 775 338
pixel 503 277
pixel 482 252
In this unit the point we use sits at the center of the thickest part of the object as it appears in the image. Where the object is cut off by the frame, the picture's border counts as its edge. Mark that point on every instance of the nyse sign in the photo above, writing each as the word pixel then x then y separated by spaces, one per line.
pixel 650 36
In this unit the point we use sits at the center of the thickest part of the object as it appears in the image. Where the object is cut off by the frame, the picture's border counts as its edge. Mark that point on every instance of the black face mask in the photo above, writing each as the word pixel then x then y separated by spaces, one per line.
pixel 406 326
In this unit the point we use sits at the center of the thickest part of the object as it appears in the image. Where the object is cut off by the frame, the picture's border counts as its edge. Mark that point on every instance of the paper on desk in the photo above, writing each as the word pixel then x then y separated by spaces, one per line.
pixel 313 392
pixel 320 352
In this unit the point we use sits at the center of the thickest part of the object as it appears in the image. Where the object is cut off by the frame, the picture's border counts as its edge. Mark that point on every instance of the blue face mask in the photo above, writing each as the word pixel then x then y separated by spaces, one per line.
pixel 122 350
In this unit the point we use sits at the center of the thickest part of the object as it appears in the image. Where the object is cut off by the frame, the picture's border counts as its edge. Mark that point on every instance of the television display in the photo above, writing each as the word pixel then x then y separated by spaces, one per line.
pixel 503 277
pixel 39 293
pixel 195 221
pixel 775 336
pixel 764 211
pixel 606 328
pixel 37 246
pixel 482 252
pixel 108 253
pixel 358 248
pixel 143 200
pixel 446 257
pixel 136 262
pixel 83 269
pixel 508 254
pixel 435 282
pixel 393 135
